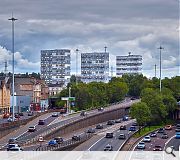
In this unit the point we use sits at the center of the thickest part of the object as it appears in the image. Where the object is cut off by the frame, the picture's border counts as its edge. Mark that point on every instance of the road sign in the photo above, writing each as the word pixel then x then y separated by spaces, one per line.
pixel 68 98
pixel 71 98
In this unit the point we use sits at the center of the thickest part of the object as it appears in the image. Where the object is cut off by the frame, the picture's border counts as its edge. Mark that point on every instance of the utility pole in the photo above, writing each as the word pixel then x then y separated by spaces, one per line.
pixel 13 20
pixel 77 50
pixel 105 49
pixel 111 71
pixel 5 68
pixel 160 48
pixel 155 70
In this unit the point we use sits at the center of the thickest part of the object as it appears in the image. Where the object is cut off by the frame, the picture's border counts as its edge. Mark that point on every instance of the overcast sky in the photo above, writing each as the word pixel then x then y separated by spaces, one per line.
pixel 137 26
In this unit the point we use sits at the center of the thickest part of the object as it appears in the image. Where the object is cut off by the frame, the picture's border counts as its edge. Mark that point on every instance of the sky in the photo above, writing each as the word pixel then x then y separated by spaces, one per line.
pixel 136 26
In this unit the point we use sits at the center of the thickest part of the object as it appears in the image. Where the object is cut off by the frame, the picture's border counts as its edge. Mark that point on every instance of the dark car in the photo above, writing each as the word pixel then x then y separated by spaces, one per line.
pixel 63 111
pixel 164 136
pixel 41 122
pixel 99 126
pixel 177 130
pixel 76 138
pixel 6 115
pixel 17 115
pixel 83 113
pixel 132 128
pixel 100 109
pixel 157 148
pixel 122 136
pixel 125 118
pixel 12 141
pixel 153 134
pixel 123 127
pixel 177 125
pixel 110 122
pixel 91 130
pixel 161 130
pixel 59 140
pixel 21 114
pixel 109 135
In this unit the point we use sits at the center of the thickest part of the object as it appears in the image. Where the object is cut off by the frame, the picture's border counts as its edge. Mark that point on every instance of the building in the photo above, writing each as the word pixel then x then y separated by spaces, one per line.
pixel 55 66
pixel 5 95
pixel 131 64
pixel 55 89
pixel 95 67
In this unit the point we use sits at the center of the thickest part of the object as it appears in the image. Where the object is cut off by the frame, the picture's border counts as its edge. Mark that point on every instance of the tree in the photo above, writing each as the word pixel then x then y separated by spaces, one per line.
pixel 141 112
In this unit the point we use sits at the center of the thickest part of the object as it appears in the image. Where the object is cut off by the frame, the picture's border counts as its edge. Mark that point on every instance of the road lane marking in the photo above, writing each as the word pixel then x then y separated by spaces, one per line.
pixel 96 143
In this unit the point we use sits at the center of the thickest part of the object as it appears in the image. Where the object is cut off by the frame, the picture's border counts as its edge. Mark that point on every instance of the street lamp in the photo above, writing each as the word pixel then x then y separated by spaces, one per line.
pixel 160 48
pixel 13 20
pixel 77 50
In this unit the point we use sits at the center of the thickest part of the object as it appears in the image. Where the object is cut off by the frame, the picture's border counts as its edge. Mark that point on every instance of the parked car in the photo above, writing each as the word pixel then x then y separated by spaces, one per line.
pixel 100 109
pixel 76 137
pixel 109 135
pixel 161 130
pixel 63 111
pixel 118 121
pixel 122 136
pixel 147 139
pixel 123 127
pixel 12 141
pixel 6 115
pixel 55 115
pixel 91 130
pixel 110 122
pixel 168 127
pixel 141 145
pixel 32 129
pixel 10 119
pixel 125 118
pixel 83 113
pixel 177 136
pixel 59 140
pixel 52 143
pixel 21 114
pixel 157 148
pixel 153 134
pixel 132 128
pixel 41 122
pixel 30 113
pixel 17 115
pixel 99 126
pixel 9 146
pixel 164 136
pixel 108 148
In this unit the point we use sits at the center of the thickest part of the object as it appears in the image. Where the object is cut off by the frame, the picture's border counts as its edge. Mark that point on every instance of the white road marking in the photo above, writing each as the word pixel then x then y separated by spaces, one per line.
pixel 96 143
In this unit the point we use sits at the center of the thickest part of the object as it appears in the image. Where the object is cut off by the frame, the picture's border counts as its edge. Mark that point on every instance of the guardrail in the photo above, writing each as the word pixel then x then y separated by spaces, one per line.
pixel 65 144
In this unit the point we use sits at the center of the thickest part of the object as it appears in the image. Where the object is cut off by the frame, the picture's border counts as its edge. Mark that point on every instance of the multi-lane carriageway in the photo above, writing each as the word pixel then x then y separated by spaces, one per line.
pixel 22 134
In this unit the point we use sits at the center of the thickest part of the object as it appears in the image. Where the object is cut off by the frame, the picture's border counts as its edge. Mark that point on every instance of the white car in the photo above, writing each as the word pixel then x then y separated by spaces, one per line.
pixel 10 119
pixel 15 149
pixel 141 145
pixel 147 139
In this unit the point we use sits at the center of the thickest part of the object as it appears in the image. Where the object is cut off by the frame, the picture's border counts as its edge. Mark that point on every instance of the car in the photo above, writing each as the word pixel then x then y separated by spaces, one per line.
pixel 153 134
pixel 63 111
pixel 168 127
pixel 55 115
pixel 125 118
pixel 90 130
pixel 164 136
pixel 157 148
pixel 17 115
pixel 109 135
pixel 147 139
pixel 100 109
pixel 118 121
pixel 10 119
pixel 108 148
pixel 83 113
pixel 177 135
pixel 177 125
pixel 99 126
pixel 110 122
pixel 6 115
pixel 31 129
pixel 141 145
pixel 161 130
pixel 122 136
pixel 12 141
pixel 76 137
pixel 59 140
pixel 123 127
pixel 30 113
pixel 53 143
pixel 15 149
pixel 177 130
pixel 21 114
pixel 9 146
pixel 41 122
pixel 132 128
pixel 134 124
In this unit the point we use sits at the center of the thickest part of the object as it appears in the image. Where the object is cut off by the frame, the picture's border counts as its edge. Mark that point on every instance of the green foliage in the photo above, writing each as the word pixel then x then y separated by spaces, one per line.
pixel 141 112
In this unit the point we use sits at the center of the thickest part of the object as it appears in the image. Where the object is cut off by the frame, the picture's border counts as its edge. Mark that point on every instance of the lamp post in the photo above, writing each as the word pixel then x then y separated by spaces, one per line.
pixel 77 50
pixel 13 20
pixel 160 48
